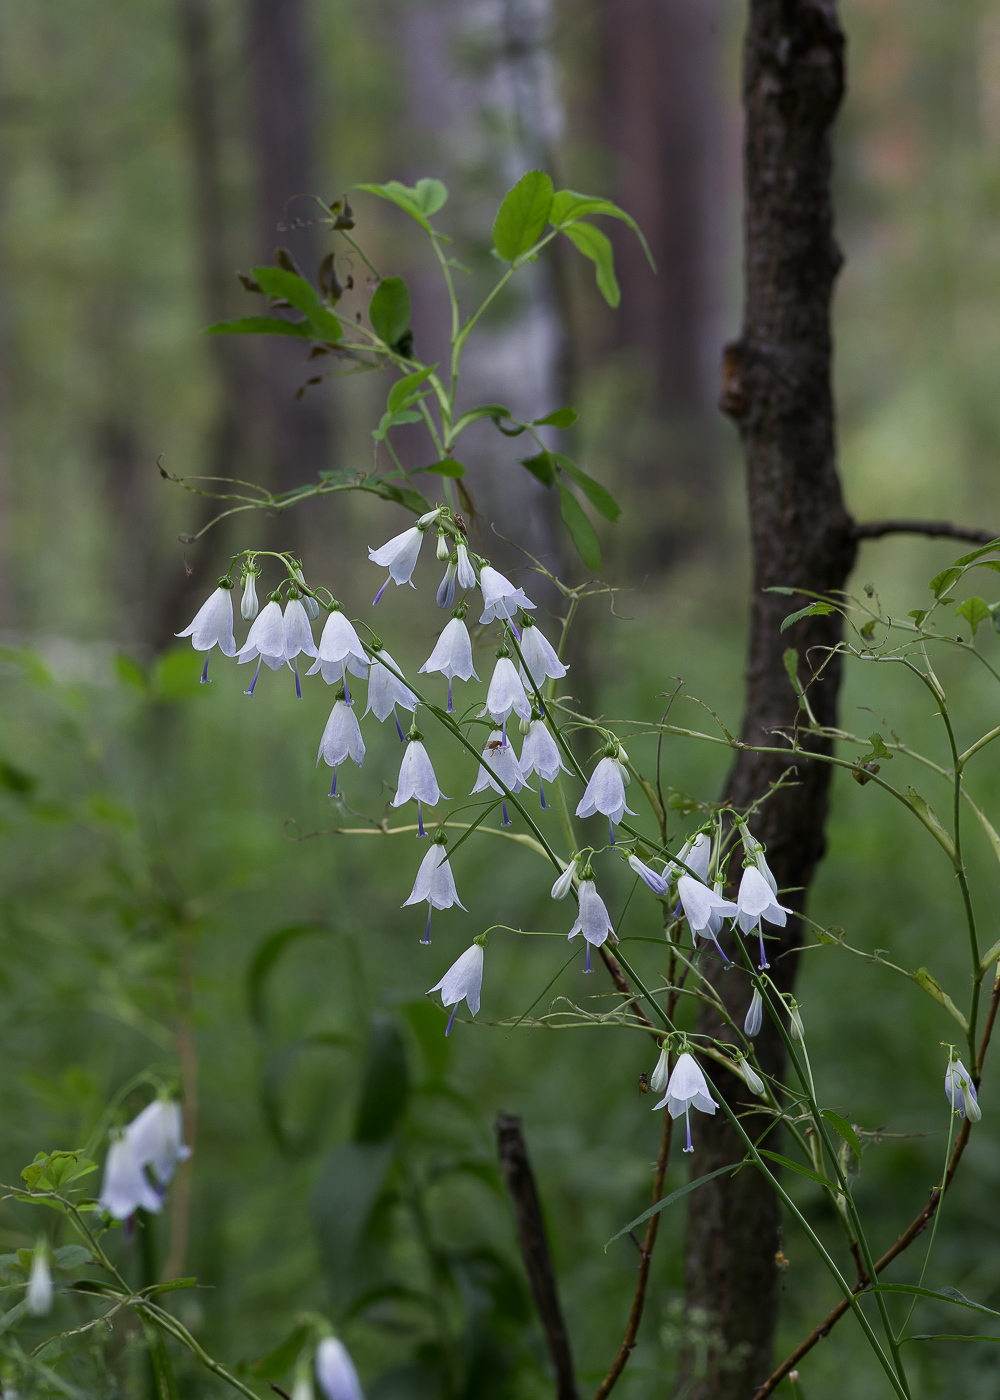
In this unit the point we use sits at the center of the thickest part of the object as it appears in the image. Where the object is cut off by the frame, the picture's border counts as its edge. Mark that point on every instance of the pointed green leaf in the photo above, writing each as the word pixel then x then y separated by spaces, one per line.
pixel 446 467
pixel 845 1130
pixel 930 819
pixel 596 246
pixel 568 205
pixel 978 553
pixel 405 388
pixel 580 528
pixel 813 610
pixel 684 1190
pixel 521 219
pixel 941 582
pixel 542 468
pixel 419 201
pixel 798 1168
pixel 389 309
pixel 485 410
pixel 559 418
pixel 283 1357
pixel 393 420
pixel 260 325
pixel 974 610
pixel 598 496
pixel 926 979
pixel 279 282
pixel 942 1295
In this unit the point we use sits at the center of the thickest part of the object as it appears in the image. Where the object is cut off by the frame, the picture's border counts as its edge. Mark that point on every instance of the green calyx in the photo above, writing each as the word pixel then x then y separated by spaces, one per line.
pixel 502 651
pixel 460 612
pixel 414 734
pixel 481 940
pixel 224 582
pixel 439 839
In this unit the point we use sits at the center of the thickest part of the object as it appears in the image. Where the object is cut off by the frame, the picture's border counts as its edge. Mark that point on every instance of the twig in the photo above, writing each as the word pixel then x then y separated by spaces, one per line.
pixel 915 1228
pixel 520 1181
pixel 877 529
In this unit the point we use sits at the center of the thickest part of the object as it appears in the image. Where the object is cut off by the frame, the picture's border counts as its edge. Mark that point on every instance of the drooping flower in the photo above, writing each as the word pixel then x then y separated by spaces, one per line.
pixel 452 655
pixel 755 901
pixel 696 855
pixel 499 761
pixel 249 606
pixel 445 595
pixel 265 641
pixel 961 1092
pixel 687 1089
pixel 506 693
pixel 126 1186
pixel 605 793
pixel 399 555
pixel 540 754
pixel 156 1137
pixel 500 598
pixel 755 1015
pixel 213 625
pixel 661 1074
pixel 592 919
pixel 564 883
pixel 435 883
pixel 335 1371
pixel 649 877
pixel 540 661
pixel 341 740
pixel 38 1299
pixel 466 573
pixel 703 908
pixel 417 780
pixel 386 690
pixel 464 979
pixel 298 637
pixel 751 1078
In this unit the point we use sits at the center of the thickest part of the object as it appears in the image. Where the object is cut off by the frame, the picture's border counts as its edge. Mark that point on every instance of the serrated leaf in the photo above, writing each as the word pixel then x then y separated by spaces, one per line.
pixel 558 418
pixel 260 325
pixel 404 389
pixel 542 468
pixel 845 1130
pixel 799 1169
pixel 817 609
pixel 596 246
pixel 521 218
pixel 974 610
pixel 932 986
pixel 941 582
pixel 598 496
pixel 684 1190
pixel 322 324
pixel 580 528
pixel 389 310
pixel 417 200
pixel 568 205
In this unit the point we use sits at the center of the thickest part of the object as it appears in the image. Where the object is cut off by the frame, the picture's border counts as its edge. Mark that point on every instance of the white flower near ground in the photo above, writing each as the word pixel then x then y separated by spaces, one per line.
pixel 687 1089
pixel 605 792
pixel 500 598
pixel 38 1299
pixel 335 1371
pixel 961 1092
pixel 539 659
pixel 463 980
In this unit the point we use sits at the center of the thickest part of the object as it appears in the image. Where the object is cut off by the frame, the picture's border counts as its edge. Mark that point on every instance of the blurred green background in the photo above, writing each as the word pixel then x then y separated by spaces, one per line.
pixel 161 903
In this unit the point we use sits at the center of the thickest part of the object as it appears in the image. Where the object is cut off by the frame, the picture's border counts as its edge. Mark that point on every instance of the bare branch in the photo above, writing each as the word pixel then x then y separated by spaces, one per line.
pixel 878 529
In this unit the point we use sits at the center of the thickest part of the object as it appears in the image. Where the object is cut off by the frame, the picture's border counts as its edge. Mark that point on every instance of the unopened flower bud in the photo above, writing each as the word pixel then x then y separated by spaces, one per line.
pixel 564 882
pixel 752 1079
pixel 443 547
pixel 658 1079
pixel 796 1026
pixel 755 1015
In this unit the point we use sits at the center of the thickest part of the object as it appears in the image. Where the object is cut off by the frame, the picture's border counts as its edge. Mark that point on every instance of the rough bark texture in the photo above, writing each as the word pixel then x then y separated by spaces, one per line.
pixel 776 386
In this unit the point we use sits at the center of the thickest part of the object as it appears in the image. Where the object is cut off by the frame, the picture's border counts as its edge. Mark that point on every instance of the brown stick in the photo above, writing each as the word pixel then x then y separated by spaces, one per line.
pixel 877 529
pixel 915 1228
pixel 520 1181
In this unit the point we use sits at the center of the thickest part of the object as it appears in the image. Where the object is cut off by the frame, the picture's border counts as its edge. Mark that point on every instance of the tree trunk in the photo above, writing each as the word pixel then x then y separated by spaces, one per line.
pixel 776 386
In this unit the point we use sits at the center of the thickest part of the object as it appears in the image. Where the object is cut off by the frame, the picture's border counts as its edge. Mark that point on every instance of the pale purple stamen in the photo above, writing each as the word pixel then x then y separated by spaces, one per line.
pixel 517 635
pixel 399 728
pixel 611 828
pixel 298 683
pixel 204 674
pixel 420 821
pixel 427 931
pixel 506 820
pixel 381 591
pixel 541 789
pixel 687 1120
pixel 503 735
pixel 451 1020
pixel 333 788
pixel 347 693
pixel 763 955
pixel 677 912
pixel 587 967
pixel 451 707
pixel 254 681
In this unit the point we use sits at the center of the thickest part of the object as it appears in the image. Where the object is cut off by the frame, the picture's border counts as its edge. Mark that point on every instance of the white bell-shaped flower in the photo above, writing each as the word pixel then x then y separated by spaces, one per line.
pixel 466 573
pixel 417 781
pixel 539 660
pixel 755 901
pixel 340 642
pixel 335 1371
pixel 687 1089
pixel 435 883
pixel 298 633
pixel 399 555
pixel 156 1137
pixel 386 690
pixel 213 625
pixel 506 693
pixel 249 607
pixel 445 595
pixel 696 855
pixel 754 1016
pixel 649 877
pixel 265 641
pixel 38 1299
pixel 499 761
pixel 703 908
pixel 500 598
pixel 341 740
pixel 540 754
pixel 605 792
pixel 661 1074
pixel 126 1186
pixel 452 655
pixel 592 918
pixel 961 1092
pixel 464 979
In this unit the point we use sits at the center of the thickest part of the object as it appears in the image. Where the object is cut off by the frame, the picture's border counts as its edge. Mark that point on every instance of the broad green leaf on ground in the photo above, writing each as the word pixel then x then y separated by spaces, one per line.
pixel 521 219
pixel 580 528
pixel 389 310
pixel 596 246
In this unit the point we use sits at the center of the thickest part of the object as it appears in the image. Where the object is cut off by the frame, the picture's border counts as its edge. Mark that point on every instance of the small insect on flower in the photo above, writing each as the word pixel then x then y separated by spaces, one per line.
pixel 643 1082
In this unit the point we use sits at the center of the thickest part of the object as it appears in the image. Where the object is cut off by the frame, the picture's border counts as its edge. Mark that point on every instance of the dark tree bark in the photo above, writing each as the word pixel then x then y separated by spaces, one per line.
pixel 776 386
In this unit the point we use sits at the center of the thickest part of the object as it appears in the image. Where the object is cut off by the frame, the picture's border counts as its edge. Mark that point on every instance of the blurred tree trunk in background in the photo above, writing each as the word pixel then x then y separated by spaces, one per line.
pixel 293 434
pixel 776 387
pixel 661 124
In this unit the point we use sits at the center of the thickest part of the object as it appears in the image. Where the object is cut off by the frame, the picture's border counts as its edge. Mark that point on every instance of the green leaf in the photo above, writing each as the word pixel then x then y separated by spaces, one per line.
pixel 486 410
pixel 54 1170
pixel 72 1256
pixel 797 1167
pixel 924 978
pixel 323 325
pixel 542 468
pixel 404 390
pixel 385 1084
pixel 947 1337
pixel 260 325
pixel 684 1190
pixel 446 467
pixel 596 246
pixel 394 420
pixel 164 1384
pixel 389 310
pixel 568 205
pixel 558 418
pixel 813 610
pixel 978 553
pixel 16 780
pixel 927 815
pixel 845 1130
pixel 129 671
pixel 402 495
pixel 268 953
pixel 580 528
pixel 419 201
pixel 918 615
pixel 349 1184
pixel 283 1357
pixel 941 582
pixel 600 498
pixel 974 610
pixel 790 661
pixel 521 219
pixel 943 1295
